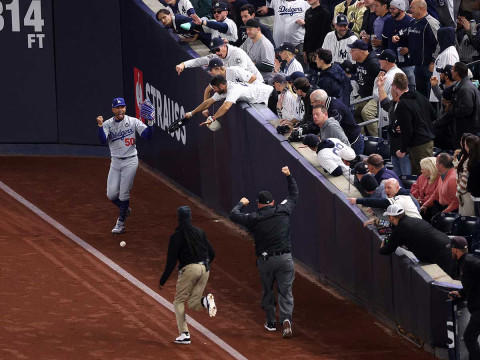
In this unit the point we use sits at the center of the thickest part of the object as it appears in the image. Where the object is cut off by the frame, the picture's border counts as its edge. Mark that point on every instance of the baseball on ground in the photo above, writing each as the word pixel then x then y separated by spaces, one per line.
pixel 123 243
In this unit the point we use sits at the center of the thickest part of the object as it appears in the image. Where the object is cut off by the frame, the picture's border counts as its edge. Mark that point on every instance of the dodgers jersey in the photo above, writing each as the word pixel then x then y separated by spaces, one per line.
pixel 251 93
pixel 121 135
pixel 235 57
pixel 285 28
pixel 329 158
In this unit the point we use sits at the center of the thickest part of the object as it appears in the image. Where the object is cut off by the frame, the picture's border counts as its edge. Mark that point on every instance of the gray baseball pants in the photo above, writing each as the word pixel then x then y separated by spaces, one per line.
pixel 281 269
pixel 120 178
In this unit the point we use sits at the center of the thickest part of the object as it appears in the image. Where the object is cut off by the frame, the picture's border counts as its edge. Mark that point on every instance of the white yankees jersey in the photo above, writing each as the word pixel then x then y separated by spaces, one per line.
pixel 121 135
pixel 408 205
pixel 251 93
pixel 238 74
pixel 285 28
pixel 235 57
pixel 290 106
pixel 449 56
pixel 340 50
pixel 182 7
pixel 293 66
pixel 329 158
pixel 231 35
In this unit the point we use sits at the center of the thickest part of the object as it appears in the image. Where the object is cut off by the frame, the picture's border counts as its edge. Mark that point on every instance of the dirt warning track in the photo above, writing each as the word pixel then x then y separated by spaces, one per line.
pixel 60 301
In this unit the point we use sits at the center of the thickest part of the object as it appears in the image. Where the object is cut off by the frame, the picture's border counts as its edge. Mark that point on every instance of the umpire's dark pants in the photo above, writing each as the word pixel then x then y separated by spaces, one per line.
pixel 472 331
pixel 278 268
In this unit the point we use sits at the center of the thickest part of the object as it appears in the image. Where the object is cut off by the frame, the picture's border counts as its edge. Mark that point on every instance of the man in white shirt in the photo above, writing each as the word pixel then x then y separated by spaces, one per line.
pixel 233 92
pixel 220 13
pixel 337 41
pixel 289 20
pixel 231 55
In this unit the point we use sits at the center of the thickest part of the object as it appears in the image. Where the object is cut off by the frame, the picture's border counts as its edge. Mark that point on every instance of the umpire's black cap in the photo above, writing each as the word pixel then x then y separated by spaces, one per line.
pixel 264 197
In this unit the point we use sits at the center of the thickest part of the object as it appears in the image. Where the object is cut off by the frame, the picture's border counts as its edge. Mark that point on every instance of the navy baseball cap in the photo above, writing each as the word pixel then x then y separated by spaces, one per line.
pixel 447 70
pixel 368 182
pixel 295 75
pixel 311 140
pixel 215 44
pixel 358 44
pixel 286 46
pixel 214 63
pixel 279 78
pixel 264 197
pixel 341 19
pixel 218 5
pixel 388 55
pixel 361 168
pixel 119 101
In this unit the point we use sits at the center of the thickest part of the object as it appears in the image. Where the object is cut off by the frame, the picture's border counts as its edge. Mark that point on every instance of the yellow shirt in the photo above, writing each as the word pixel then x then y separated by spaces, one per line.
pixel 354 15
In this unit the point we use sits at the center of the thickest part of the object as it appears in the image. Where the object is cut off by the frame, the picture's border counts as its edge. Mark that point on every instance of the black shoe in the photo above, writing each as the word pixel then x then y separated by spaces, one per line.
pixel 270 326
pixel 177 124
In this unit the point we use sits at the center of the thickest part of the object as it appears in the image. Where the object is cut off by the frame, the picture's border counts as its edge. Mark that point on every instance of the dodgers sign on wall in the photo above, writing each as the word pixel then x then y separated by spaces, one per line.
pixel 25 18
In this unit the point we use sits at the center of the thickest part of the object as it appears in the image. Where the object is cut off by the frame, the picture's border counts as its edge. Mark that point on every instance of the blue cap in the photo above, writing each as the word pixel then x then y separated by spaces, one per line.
pixel 295 75
pixel 287 46
pixel 342 19
pixel 216 43
pixel 118 102
pixel 388 55
pixel 214 63
pixel 219 5
pixel 358 44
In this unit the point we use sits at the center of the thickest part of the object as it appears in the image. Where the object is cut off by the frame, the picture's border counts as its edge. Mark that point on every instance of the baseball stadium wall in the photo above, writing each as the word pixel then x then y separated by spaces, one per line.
pixel 62 71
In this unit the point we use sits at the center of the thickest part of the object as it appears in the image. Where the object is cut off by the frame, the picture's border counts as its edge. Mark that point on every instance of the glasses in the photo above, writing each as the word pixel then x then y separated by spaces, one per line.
pixel 218 11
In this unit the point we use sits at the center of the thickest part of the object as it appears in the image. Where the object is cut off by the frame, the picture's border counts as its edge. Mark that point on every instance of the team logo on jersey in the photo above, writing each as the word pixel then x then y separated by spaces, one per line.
pixel 238 60
pixel 343 54
pixel 283 10
pixel 127 123
pixel 138 86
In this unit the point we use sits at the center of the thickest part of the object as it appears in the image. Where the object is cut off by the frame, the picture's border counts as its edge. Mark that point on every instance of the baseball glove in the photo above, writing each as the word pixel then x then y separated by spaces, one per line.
pixel 177 124
pixel 147 111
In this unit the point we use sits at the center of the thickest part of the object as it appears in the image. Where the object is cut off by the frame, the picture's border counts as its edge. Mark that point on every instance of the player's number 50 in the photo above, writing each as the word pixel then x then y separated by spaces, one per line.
pixel 129 141
pixel 33 16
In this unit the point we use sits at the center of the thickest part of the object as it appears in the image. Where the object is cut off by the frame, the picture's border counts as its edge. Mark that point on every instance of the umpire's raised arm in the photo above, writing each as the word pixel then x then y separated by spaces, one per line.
pixel 292 198
pixel 237 216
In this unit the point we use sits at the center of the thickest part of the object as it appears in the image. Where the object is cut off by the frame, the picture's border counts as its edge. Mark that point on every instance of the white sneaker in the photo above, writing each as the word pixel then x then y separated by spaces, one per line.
pixel 212 308
pixel 119 227
pixel 184 338
pixel 287 329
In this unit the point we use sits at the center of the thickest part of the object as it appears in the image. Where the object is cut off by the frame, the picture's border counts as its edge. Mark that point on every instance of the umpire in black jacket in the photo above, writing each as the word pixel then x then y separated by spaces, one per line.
pixel 470 276
pixel 270 226
pixel 190 247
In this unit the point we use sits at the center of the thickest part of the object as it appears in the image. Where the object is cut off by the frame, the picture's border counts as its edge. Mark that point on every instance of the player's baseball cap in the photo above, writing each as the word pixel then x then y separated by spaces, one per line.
pixel 264 197
pixel 394 210
pixel 214 63
pixel 341 19
pixel 279 78
pixel 368 182
pixel 358 44
pixel 119 101
pixel 218 5
pixel 311 140
pixel 287 47
pixel 361 168
pixel 215 44
pixel 399 4
pixel 347 153
pixel 295 75
pixel 458 242
pixel 388 55
pixel 252 23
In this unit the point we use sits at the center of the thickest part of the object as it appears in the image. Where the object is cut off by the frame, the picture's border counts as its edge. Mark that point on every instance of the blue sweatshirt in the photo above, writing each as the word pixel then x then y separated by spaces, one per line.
pixel 393 27
pixel 420 40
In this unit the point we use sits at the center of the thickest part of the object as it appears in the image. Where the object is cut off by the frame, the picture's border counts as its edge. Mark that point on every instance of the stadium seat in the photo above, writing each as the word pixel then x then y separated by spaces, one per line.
pixel 371 145
pixel 408 180
pixel 384 149
pixel 444 222
pixel 466 226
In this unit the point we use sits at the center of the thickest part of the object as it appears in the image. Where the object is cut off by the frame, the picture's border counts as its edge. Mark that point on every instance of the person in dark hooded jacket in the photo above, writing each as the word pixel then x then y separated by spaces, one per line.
pixel 332 77
pixel 415 116
pixel 190 247
pixel 448 54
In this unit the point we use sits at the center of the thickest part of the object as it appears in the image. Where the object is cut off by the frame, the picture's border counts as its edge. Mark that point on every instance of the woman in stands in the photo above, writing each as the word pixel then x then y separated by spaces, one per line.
pixel 427 182
pixel 465 207
pixel 472 147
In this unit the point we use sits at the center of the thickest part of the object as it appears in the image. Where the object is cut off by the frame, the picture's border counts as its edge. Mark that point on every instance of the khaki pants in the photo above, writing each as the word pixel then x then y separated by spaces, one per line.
pixel 191 283
pixel 418 153
pixel 365 111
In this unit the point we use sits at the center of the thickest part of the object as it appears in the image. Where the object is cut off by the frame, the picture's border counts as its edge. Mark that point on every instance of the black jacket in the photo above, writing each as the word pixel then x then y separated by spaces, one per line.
pixel 427 243
pixel 270 225
pixel 317 25
pixel 470 275
pixel 415 116
pixel 466 108
pixel 366 73
pixel 473 184
pixel 393 134
pixel 178 249
pixel 335 82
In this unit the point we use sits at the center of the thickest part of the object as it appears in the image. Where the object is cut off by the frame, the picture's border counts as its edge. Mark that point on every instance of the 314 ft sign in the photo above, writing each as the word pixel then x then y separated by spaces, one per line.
pixel 32 18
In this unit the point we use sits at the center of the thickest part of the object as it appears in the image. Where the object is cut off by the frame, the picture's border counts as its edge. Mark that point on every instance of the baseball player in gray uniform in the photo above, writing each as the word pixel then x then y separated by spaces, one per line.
pixel 231 56
pixel 119 133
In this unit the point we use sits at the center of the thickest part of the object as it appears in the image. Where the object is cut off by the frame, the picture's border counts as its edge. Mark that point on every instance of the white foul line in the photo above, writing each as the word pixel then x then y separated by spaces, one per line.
pixel 117 268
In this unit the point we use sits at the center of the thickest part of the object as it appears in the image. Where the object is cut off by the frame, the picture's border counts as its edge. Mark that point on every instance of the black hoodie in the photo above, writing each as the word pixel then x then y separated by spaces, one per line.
pixel 415 116
pixel 446 37
pixel 335 82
